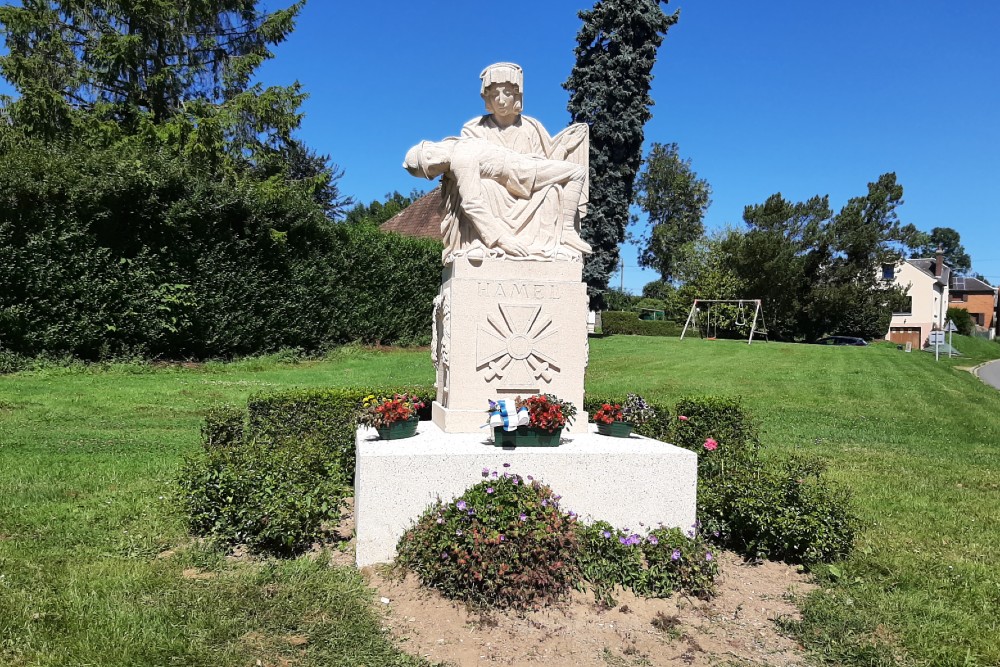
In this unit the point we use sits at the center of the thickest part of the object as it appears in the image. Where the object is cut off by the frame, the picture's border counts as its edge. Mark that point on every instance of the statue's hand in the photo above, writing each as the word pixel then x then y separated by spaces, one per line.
pixel 510 245
pixel 573 136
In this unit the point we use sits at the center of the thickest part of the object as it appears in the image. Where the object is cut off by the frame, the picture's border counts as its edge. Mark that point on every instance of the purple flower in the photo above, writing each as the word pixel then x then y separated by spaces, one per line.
pixel 440 520
pixel 444 555
pixel 516 480
pixel 486 472
pixel 557 497
pixel 530 478
pixel 545 502
pixel 523 517
pixel 458 532
pixel 631 540
pixel 460 504
pixel 606 535
pixel 501 537
pixel 472 512
pixel 489 489
pixel 495 474
pixel 506 465
pixel 708 556
pixel 652 539
pixel 676 555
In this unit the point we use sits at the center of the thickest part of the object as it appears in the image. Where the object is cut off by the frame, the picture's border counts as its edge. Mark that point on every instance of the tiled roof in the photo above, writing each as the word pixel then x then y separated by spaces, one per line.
pixel 972 285
pixel 422 218
pixel 927 266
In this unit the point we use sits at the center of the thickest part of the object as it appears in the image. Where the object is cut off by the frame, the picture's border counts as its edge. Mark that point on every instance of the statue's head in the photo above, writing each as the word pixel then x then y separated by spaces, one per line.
pixel 502 89
pixel 430 159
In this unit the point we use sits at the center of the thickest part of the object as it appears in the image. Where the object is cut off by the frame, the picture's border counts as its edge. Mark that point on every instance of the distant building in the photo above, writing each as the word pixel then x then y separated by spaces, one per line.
pixel 977 297
pixel 422 218
pixel 926 282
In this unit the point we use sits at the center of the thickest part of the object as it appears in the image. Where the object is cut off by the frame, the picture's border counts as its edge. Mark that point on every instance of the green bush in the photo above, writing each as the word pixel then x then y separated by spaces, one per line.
pixel 664 562
pixel 326 416
pixel 112 248
pixel 223 427
pixel 270 475
pixel 504 543
pixel 962 319
pixel 273 500
pixel 628 323
pixel 780 510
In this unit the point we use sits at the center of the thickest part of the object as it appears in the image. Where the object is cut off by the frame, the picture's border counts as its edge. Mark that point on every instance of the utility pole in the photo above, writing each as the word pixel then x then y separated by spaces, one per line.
pixel 621 282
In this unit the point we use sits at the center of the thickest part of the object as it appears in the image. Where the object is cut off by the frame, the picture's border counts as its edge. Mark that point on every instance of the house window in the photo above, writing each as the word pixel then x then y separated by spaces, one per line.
pixel 958 297
pixel 888 272
pixel 904 306
pixel 979 319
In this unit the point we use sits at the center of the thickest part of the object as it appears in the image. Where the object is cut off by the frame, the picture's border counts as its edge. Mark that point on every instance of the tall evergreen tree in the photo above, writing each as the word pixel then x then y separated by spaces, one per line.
pixel 609 90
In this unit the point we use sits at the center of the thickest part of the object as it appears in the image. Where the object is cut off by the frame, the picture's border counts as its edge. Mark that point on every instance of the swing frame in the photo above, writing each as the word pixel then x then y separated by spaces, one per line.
pixel 758 315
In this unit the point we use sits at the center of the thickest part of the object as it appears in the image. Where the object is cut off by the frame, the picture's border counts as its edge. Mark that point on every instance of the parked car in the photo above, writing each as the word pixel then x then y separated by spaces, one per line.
pixel 841 340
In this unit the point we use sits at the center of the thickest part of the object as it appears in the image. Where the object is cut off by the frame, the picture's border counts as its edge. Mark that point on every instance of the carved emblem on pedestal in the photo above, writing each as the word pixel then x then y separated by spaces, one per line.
pixel 516 347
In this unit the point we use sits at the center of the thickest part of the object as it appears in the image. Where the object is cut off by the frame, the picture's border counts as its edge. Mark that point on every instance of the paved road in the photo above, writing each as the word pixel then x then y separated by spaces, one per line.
pixel 990 373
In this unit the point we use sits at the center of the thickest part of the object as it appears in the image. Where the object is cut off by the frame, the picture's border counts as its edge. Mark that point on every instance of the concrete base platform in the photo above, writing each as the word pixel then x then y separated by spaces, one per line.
pixel 630 483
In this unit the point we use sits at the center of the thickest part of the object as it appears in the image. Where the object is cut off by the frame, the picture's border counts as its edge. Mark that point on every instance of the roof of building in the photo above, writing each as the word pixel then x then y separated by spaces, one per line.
pixel 974 285
pixel 926 264
pixel 422 218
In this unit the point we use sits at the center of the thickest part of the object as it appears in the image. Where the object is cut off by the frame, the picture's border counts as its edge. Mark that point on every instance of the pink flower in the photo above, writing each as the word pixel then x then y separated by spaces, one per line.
pixel 711 445
pixel 682 418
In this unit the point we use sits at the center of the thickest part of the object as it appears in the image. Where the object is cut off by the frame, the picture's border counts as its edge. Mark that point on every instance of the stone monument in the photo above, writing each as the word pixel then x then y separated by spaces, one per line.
pixel 511 319
pixel 511 316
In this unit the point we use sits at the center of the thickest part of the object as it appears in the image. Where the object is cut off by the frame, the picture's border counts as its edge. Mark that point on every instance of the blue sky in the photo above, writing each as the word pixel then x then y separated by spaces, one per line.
pixel 791 96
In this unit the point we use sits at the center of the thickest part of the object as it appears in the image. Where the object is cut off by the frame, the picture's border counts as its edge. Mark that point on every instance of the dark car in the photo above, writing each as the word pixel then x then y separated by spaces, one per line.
pixel 841 340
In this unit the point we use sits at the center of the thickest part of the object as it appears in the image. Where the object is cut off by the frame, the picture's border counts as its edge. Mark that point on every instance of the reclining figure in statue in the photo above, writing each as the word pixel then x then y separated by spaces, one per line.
pixel 473 168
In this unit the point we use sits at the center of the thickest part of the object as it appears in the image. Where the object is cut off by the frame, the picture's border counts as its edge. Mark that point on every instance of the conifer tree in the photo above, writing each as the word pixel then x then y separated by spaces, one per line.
pixel 609 90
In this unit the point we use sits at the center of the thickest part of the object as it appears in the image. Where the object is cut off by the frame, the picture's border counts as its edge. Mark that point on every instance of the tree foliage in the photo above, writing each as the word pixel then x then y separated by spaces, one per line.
pixel 378 212
pixel 609 91
pixel 675 200
pixel 818 272
pixel 950 242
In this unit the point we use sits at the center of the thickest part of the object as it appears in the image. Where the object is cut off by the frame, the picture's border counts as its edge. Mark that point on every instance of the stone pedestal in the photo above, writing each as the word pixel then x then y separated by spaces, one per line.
pixel 506 328
pixel 629 482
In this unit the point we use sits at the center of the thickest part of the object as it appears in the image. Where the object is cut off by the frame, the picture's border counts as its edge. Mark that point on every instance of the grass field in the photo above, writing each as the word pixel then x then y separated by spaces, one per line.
pixel 88 455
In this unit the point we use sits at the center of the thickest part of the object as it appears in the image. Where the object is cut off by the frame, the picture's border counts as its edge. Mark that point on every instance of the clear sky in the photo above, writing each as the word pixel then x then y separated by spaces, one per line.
pixel 794 96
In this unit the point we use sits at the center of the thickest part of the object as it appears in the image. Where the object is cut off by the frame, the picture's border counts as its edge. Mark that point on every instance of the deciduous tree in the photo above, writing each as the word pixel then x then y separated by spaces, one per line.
pixel 675 201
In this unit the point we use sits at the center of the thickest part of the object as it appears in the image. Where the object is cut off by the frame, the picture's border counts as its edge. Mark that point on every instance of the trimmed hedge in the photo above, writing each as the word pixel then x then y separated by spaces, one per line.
pixel 279 457
pixel 628 323
pixel 780 509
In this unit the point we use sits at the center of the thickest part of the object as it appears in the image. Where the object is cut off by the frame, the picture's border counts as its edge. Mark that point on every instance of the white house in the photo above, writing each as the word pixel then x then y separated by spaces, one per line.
pixel 926 285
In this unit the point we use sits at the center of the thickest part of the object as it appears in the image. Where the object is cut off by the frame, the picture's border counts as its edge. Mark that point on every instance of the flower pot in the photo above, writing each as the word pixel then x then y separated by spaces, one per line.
pixel 525 436
pixel 615 429
pixel 399 430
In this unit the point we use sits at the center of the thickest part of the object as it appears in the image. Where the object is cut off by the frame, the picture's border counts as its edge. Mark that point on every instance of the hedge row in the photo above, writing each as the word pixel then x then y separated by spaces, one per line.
pixel 131 251
pixel 261 461
pixel 629 324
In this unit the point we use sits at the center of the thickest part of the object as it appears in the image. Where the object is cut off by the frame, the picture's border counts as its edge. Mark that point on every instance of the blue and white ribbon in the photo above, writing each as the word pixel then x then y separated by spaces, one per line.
pixel 508 416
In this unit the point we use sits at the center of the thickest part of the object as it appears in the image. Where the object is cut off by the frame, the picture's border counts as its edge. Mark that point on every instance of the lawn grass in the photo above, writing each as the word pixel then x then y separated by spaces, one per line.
pixel 88 456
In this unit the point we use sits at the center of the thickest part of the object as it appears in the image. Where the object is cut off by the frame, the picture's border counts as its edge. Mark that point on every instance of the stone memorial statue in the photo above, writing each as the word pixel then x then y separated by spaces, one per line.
pixel 511 317
pixel 522 207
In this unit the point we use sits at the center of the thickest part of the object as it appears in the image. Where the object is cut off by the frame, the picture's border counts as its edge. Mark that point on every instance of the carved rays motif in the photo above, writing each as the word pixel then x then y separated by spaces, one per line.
pixel 517 347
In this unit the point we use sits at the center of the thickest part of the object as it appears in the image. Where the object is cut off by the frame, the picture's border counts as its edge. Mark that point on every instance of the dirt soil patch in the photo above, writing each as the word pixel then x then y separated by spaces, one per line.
pixel 736 627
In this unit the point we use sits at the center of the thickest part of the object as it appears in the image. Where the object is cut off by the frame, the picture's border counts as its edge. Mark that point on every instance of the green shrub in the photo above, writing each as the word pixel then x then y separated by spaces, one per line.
pixel 706 419
pixel 962 319
pixel 113 248
pixel 780 510
pixel 783 510
pixel 223 427
pixel 504 543
pixel 273 500
pixel 326 416
pixel 628 323
pixel 664 562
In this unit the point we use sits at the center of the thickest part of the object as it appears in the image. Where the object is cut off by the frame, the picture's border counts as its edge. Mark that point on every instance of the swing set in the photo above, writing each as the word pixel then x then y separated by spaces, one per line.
pixel 741 317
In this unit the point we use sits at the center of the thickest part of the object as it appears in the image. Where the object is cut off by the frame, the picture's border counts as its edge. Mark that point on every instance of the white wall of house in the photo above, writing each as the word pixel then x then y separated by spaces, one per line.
pixel 929 301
